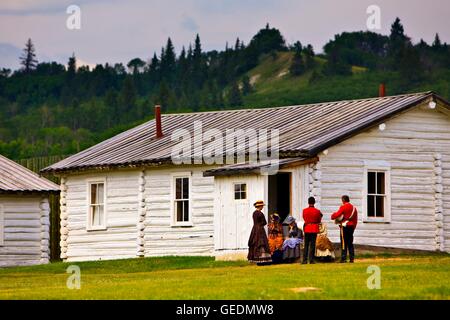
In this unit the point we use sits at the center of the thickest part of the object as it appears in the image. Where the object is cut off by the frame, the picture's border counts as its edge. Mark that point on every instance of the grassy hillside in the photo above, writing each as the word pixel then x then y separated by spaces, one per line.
pixel 274 86
pixel 58 129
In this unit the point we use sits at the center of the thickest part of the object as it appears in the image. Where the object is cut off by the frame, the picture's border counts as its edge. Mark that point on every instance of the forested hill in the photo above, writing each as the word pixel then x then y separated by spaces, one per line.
pixel 50 109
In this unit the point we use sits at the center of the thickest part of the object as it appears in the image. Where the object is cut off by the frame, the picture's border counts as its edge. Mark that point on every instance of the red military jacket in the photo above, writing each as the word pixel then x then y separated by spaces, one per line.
pixel 346 210
pixel 312 218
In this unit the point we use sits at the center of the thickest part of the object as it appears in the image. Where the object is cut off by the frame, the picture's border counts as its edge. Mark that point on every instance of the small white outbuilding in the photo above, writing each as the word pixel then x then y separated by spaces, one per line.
pixel 24 215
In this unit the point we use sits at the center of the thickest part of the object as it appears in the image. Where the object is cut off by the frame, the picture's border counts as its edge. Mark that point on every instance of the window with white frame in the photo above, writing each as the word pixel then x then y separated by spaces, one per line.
pixel 377 202
pixel 240 191
pixel 2 225
pixel 96 210
pixel 181 205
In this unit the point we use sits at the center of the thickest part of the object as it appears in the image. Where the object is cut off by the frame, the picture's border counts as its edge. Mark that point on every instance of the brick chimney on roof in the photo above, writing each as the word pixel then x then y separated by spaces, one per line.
pixel 158 124
pixel 382 90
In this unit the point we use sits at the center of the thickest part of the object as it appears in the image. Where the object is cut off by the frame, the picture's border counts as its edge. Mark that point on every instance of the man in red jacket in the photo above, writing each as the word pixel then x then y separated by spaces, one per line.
pixel 312 218
pixel 347 217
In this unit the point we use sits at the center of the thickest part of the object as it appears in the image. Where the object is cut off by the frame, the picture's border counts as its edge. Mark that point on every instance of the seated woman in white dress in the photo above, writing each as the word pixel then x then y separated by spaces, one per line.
pixel 324 247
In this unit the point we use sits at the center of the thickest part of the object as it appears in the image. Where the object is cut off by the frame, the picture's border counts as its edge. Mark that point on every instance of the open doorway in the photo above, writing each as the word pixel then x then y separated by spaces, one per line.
pixel 279 197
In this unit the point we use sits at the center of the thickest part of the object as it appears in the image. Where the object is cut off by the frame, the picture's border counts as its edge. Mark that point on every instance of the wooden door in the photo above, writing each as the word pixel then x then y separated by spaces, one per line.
pixel 233 217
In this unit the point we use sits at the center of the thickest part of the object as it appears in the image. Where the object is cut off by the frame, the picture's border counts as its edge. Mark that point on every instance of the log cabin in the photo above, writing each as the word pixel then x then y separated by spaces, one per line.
pixel 126 197
pixel 24 215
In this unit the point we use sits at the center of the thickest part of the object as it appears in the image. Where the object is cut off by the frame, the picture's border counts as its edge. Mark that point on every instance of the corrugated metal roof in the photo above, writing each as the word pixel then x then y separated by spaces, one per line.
pixel 16 178
pixel 245 168
pixel 304 130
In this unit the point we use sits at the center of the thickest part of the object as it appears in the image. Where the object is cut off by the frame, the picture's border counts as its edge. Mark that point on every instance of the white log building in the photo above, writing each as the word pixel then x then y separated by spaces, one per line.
pixel 125 198
pixel 24 215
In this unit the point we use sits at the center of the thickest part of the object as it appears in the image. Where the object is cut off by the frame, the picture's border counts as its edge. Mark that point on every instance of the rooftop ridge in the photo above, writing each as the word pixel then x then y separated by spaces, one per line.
pixel 424 93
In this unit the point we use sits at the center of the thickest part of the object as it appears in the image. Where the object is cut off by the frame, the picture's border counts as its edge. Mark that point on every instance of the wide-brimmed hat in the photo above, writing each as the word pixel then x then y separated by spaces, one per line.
pixel 259 203
pixel 275 216
pixel 289 220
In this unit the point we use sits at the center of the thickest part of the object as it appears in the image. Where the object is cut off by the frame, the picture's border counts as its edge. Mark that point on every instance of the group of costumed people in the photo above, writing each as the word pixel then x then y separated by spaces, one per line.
pixel 284 239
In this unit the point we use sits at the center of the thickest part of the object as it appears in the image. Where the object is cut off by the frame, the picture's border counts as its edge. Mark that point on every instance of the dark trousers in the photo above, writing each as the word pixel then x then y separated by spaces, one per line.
pixel 347 243
pixel 310 247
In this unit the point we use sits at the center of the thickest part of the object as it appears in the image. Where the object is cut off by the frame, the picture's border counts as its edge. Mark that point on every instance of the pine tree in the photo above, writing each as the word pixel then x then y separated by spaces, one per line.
pixel 398 42
pixel 111 104
pixel 154 64
pixel 198 67
pixel 190 53
pixel 168 61
pixel 237 45
pixel 197 48
pixel 164 95
pixel 220 101
pixel 397 30
pixel 28 59
pixel 70 88
pixel 128 96
pixel 153 71
pixel 309 57
pixel 297 66
pixel 437 44
pixel 234 96
pixel 246 85
pixel 72 66
pixel 336 65
pixel 182 59
pixel 182 67
pixel 410 66
pixel 298 46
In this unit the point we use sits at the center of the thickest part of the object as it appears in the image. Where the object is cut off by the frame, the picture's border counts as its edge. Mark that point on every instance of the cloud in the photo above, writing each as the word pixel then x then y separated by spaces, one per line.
pixel 9 56
pixel 30 7
pixel 189 23
pixel 42 7
pixel 81 63
pixel 117 31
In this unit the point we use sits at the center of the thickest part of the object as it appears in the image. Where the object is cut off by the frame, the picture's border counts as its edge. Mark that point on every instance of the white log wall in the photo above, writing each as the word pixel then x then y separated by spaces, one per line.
pixel 25 230
pixel 119 240
pixel 163 239
pixel 446 200
pixel 416 145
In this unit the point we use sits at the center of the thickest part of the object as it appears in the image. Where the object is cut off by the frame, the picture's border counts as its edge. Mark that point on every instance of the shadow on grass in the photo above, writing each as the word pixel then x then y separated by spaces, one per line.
pixel 134 265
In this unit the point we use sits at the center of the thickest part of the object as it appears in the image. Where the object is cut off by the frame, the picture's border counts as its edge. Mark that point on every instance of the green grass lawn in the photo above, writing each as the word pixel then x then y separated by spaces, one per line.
pixel 402 277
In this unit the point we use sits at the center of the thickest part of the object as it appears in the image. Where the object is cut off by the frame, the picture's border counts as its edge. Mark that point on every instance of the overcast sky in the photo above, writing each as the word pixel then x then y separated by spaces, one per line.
pixel 117 31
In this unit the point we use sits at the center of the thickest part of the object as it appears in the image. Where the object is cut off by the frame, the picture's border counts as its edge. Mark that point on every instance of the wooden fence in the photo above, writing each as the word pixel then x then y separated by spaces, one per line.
pixel 36 164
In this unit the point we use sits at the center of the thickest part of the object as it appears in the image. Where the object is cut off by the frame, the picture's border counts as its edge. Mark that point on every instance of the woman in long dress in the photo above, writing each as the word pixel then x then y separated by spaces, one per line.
pixel 258 244
pixel 324 247
pixel 275 230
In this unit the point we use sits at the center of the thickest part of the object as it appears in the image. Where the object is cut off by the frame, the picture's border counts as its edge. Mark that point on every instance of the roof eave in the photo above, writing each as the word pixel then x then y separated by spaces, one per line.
pixel 316 150
pixel 29 192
